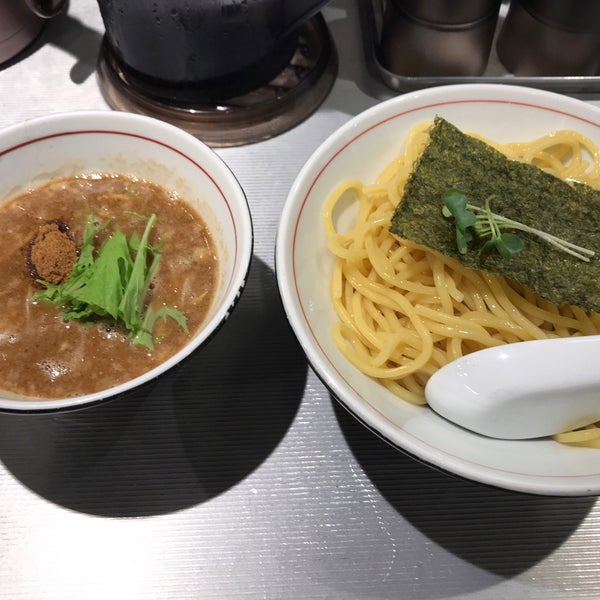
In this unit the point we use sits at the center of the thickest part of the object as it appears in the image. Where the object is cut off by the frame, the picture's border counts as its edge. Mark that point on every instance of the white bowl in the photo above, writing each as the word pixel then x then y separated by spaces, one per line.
pixel 42 149
pixel 360 150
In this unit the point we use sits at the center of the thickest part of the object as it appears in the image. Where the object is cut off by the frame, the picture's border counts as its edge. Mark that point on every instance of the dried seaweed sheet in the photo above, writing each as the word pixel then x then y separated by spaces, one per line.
pixel 522 192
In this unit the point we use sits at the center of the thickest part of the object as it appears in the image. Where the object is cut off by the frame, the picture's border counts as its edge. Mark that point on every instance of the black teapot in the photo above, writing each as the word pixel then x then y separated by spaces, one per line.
pixel 200 42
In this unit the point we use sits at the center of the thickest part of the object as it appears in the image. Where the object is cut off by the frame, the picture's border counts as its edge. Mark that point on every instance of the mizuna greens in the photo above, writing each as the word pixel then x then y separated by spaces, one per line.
pixel 112 282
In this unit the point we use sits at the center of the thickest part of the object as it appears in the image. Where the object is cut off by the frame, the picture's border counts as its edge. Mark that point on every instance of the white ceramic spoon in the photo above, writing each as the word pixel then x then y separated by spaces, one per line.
pixel 523 390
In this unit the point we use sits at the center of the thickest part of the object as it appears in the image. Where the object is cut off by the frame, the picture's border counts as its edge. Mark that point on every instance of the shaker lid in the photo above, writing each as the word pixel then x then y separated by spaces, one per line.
pixel 570 15
pixel 448 12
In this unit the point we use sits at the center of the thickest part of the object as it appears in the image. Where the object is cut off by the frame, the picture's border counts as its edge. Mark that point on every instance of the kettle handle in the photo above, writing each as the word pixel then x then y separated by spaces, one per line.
pixel 46 8
pixel 295 13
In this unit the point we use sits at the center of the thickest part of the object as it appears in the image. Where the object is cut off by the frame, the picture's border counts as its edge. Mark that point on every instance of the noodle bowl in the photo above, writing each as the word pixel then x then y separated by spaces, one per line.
pixel 405 310
pixel 358 152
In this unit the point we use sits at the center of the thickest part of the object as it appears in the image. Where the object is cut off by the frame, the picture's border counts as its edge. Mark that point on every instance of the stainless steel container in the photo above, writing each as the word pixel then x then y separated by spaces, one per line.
pixel 437 37
pixel 551 38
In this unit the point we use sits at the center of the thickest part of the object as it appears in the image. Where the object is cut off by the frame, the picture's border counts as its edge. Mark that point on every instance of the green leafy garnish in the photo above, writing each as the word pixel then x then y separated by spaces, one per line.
pixel 475 221
pixel 455 205
pixel 113 282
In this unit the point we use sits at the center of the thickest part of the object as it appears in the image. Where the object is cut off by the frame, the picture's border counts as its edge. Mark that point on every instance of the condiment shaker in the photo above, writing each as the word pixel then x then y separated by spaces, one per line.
pixel 551 38
pixel 437 37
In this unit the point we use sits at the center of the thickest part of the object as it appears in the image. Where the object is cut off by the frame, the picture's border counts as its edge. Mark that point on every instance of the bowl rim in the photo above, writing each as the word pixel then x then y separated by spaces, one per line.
pixel 341 390
pixel 154 131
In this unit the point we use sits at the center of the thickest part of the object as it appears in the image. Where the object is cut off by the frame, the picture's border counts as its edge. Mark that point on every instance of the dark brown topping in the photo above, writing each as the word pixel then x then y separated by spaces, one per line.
pixel 52 252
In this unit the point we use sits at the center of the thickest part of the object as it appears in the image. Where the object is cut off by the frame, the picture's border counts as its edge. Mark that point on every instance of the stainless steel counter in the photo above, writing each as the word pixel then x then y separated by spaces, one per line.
pixel 238 475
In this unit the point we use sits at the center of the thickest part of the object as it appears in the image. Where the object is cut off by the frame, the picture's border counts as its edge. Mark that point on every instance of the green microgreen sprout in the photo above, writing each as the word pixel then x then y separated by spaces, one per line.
pixel 455 206
pixel 473 221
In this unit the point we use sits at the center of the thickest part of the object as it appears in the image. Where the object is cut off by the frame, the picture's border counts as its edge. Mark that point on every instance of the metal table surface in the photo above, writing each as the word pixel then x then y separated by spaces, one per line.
pixel 238 475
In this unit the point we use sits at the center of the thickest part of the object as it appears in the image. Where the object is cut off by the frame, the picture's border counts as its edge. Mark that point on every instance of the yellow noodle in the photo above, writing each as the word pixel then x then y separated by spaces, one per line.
pixel 404 310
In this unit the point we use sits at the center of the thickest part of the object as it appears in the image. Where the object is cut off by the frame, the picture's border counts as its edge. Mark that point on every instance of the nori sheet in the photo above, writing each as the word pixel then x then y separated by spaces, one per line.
pixel 522 192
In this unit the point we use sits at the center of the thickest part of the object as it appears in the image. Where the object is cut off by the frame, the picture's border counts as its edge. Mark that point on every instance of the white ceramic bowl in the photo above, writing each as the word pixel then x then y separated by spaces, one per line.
pixel 360 150
pixel 38 150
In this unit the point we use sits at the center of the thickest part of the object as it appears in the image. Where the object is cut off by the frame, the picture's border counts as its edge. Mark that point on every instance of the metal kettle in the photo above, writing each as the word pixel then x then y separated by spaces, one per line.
pixel 191 42
pixel 21 21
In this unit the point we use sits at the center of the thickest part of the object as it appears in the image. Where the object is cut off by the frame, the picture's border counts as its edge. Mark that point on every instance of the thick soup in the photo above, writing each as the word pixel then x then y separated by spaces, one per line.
pixel 43 355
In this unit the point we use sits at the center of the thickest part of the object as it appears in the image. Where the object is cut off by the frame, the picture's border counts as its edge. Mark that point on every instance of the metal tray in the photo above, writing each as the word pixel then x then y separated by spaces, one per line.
pixel 494 73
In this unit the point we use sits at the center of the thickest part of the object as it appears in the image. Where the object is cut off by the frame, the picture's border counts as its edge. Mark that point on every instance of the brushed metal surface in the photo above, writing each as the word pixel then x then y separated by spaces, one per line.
pixel 238 476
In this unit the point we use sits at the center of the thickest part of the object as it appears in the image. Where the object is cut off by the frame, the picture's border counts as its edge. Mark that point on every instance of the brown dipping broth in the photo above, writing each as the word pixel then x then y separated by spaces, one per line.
pixel 44 356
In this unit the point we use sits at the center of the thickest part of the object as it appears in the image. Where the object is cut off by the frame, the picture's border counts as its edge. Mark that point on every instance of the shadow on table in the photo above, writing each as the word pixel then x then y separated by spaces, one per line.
pixel 503 532
pixel 188 437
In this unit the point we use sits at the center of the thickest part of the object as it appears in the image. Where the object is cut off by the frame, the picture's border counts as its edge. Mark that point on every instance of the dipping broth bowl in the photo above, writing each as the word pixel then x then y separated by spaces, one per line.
pixel 65 145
